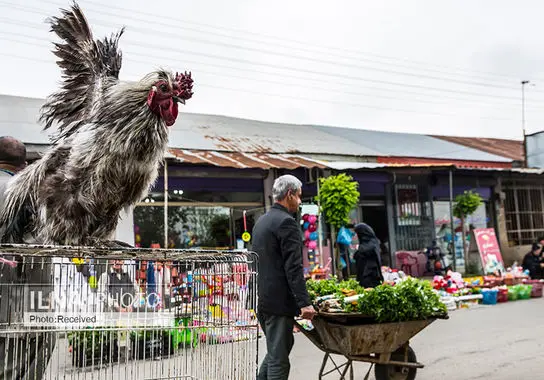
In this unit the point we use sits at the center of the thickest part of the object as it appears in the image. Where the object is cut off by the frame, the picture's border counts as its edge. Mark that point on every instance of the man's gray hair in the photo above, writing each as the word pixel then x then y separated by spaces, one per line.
pixel 284 184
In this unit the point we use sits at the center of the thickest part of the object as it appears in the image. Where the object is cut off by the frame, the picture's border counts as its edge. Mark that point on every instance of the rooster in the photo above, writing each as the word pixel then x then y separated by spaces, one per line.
pixel 111 138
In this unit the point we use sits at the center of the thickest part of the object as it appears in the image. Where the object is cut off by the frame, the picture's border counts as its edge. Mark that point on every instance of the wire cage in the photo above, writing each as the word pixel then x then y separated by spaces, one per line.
pixel 132 313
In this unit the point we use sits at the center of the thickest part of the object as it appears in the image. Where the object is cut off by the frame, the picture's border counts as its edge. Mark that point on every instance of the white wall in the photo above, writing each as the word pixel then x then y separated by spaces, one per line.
pixel 125 228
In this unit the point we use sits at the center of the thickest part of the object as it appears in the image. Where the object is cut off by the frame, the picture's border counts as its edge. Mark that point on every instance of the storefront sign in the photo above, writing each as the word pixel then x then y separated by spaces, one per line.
pixel 489 249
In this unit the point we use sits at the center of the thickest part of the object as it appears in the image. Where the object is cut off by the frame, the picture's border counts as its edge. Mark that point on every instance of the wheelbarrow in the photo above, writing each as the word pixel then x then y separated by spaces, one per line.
pixel 360 339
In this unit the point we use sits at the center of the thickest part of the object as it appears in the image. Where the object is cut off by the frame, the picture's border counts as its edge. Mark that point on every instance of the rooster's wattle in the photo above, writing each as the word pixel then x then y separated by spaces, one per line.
pixel 111 138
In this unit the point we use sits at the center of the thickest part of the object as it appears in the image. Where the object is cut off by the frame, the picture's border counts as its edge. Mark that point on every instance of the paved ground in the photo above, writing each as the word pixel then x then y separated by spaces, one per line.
pixel 499 342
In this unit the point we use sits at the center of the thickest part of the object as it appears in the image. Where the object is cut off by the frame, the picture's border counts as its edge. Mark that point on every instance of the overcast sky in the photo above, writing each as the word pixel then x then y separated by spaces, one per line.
pixel 435 67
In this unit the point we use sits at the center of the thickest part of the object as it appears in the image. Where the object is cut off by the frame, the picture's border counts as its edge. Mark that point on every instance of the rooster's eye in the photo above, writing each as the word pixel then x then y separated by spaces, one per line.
pixel 163 87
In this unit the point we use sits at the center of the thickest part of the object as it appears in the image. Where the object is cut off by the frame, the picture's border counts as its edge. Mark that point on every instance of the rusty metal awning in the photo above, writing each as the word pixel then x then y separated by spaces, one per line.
pixel 244 160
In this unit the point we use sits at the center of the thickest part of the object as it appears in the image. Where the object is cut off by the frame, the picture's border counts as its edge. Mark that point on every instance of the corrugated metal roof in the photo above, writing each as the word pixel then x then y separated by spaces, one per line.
pixel 348 165
pixel 345 165
pixel 222 133
pixel 392 144
pixel 428 161
pixel 19 115
pixel 294 161
pixel 507 148
pixel 245 160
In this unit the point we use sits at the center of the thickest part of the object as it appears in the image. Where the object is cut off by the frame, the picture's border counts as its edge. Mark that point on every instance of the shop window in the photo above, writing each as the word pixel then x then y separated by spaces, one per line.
pixel 188 227
pixel 408 205
pixel 441 210
pixel 412 217
pixel 524 213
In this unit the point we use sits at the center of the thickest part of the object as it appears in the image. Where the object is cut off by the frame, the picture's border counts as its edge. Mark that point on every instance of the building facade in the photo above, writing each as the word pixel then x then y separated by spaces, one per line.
pixel 220 172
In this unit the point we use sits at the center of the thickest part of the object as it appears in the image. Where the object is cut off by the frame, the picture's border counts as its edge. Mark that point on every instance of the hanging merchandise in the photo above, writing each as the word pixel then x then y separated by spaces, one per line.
pixel 344 236
pixel 246 236
pixel 311 236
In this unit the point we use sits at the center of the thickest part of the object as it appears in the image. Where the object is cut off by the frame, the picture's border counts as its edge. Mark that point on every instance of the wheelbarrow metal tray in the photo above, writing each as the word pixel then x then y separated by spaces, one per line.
pixel 364 339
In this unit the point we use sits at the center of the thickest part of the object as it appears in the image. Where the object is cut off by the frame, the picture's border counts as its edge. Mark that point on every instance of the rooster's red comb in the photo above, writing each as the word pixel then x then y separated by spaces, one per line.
pixel 185 83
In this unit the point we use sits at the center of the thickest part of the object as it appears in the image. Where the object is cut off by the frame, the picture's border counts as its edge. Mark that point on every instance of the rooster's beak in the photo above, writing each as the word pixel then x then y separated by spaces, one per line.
pixel 178 99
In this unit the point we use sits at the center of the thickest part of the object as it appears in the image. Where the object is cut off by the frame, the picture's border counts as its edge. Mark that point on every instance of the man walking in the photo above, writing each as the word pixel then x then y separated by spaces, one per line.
pixel 282 291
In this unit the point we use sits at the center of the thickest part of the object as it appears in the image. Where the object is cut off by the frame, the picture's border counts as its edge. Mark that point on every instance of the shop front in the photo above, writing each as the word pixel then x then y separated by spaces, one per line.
pixel 420 215
pixel 205 208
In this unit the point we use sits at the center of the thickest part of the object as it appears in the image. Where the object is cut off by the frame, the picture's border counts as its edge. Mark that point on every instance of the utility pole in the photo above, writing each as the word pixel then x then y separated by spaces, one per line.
pixel 523 83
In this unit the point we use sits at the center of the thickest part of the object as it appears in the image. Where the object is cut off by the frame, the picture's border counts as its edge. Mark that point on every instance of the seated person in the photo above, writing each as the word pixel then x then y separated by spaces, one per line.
pixel 533 262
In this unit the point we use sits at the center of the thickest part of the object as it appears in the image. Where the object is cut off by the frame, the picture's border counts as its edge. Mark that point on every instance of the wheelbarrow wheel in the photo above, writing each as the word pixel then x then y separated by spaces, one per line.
pixel 391 372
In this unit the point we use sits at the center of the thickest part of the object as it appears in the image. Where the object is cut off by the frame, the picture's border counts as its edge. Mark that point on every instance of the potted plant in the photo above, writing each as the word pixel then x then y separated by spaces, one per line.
pixel 93 347
pixel 337 196
pixel 465 205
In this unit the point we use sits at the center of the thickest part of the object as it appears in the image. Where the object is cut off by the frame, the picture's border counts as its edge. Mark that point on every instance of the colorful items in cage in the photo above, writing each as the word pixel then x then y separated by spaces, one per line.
pixel 241 273
pixel 219 295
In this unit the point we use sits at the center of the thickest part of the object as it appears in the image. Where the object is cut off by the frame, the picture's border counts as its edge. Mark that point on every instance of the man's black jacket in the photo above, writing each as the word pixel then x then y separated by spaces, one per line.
pixel 277 241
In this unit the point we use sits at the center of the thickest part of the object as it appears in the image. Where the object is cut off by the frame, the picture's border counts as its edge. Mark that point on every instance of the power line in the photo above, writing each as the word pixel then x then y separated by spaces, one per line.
pixel 317 60
pixel 284 96
pixel 328 48
pixel 237 68
pixel 313 72
pixel 328 89
pixel 275 52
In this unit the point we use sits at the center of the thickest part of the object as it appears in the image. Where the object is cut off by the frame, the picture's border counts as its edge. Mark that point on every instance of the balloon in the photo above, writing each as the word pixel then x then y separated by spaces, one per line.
pixel 312 219
pixel 313 236
pixel 136 229
pixel 307 235
pixel 305 217
pixel 312 228
pixel 306 243
pixel 312 244
pixel 305 226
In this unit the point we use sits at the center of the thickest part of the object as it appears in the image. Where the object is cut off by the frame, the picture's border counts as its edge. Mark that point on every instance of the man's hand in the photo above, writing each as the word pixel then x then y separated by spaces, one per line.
pixel 307 312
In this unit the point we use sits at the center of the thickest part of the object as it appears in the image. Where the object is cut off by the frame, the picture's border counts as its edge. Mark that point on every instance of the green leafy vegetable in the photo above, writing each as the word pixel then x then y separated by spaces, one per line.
pixel 409 300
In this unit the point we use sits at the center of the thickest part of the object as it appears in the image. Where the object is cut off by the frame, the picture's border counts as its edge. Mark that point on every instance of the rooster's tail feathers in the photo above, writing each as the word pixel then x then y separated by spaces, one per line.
pixel 87 66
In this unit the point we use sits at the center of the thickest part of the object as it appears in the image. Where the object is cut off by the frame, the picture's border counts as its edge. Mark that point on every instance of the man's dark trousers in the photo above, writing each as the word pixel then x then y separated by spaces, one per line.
pixel 278 331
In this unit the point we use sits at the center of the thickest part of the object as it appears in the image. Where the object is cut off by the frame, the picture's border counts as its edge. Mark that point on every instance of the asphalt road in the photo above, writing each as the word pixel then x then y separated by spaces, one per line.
pixel 504 341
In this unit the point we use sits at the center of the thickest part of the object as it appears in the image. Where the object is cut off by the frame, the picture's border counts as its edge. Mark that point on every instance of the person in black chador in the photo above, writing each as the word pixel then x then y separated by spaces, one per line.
pixel 367 257
pixel 533 262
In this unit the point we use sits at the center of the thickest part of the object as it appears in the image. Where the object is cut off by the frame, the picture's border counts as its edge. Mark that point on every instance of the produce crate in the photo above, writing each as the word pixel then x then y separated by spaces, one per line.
pixel 510 281
pixel 512 294
pixel 519 292
pixel 502 296
pixel 536 292
pixel 489 296
pixel 525 291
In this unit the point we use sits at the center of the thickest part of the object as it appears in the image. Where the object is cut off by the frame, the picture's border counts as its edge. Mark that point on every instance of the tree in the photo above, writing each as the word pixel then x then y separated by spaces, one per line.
pixel 338 195
pixel 465 205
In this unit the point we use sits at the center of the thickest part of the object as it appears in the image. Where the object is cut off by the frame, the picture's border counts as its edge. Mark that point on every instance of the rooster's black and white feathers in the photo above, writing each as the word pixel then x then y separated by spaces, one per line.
pixel 88 66
pixel 107 150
